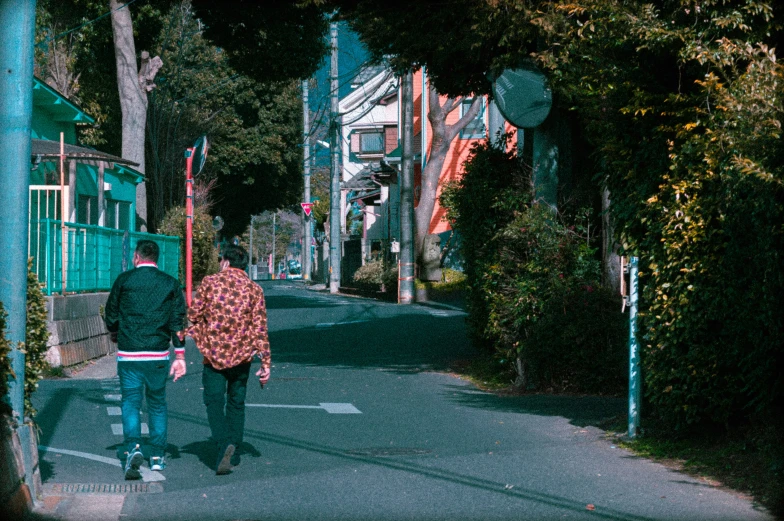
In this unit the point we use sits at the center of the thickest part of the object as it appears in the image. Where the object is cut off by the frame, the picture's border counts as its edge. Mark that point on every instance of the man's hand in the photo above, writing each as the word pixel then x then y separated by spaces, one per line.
pixel 113 336
pixel 264 374
pixel 177 369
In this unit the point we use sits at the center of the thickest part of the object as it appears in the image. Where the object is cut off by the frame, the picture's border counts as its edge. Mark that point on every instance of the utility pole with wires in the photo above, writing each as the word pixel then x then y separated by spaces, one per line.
pixel 306 255
pixel 335 246
pixel 407 234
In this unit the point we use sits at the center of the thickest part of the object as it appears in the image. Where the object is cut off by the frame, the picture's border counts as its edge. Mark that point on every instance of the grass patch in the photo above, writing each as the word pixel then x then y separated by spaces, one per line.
pixel 53 372
pixel 485 372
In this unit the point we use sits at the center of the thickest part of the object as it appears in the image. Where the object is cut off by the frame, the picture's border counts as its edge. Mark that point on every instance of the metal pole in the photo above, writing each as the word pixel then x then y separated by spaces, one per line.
pixel 250 248
pixel 634 353
pixel 334 187
pixel 189 224
pixel 274 267
pixel 63 231
pixel 406 277
pixel 306 264
pixel 17 19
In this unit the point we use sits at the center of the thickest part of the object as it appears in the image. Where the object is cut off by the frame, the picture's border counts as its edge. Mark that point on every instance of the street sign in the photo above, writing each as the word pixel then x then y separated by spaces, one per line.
pixel 200 149
pixel 307 208
pixel 523 96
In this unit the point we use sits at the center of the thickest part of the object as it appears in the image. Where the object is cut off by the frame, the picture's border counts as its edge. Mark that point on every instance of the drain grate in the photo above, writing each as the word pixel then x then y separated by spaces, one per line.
pixel 105 488
pixel 378 452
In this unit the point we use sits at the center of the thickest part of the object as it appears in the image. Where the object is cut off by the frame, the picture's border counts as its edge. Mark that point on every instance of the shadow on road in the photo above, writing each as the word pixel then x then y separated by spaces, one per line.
pixel 336 456
pixel 581 411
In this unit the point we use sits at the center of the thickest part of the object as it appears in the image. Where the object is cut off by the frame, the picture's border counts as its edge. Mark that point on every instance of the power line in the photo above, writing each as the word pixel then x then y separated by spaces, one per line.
pixel 64 33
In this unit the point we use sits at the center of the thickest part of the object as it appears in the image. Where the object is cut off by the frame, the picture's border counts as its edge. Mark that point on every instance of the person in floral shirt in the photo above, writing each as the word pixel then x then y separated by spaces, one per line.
pixel 229 325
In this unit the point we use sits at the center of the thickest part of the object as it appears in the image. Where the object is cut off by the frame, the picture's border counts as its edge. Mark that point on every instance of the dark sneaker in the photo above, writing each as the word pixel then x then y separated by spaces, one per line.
pixel 224 460
pixel 133 463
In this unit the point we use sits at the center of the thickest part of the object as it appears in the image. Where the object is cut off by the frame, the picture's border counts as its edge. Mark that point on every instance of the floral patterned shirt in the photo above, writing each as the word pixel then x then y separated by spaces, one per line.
pixel 229 320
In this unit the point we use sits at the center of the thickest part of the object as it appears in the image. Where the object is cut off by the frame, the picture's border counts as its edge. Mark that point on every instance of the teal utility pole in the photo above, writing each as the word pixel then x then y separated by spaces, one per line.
pixel 17 19
pixel 306 219
pixel 335 209
pixel 635 383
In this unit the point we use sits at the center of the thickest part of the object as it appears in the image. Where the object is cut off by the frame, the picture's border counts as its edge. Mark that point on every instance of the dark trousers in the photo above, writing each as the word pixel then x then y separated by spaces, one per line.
pixel 224 396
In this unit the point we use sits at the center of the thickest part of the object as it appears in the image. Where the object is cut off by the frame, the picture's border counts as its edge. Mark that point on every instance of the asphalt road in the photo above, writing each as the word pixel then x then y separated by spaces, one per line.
pixel 361 421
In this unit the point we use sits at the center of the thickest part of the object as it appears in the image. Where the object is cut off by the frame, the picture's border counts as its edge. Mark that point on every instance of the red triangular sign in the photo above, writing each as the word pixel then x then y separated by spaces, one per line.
pixel 307 207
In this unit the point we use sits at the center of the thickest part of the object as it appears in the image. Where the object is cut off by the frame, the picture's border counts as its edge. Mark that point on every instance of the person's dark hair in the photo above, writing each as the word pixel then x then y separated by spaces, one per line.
pixel 236 255
pixel 147 250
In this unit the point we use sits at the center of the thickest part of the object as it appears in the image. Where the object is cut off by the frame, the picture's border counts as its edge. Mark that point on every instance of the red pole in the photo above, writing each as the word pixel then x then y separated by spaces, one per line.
pixel 188 225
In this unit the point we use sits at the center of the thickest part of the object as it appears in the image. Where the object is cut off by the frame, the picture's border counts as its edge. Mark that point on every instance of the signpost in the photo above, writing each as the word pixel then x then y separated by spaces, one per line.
pixel 196 155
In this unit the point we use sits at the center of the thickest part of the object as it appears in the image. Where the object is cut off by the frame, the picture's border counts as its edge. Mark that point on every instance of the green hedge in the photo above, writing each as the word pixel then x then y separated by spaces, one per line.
pixel 534 296
pixel 34 347
pixel 205 254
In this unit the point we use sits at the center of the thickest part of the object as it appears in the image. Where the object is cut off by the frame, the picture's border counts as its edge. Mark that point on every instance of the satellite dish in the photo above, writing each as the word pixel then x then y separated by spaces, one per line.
pixel 523 96
pixel 200 149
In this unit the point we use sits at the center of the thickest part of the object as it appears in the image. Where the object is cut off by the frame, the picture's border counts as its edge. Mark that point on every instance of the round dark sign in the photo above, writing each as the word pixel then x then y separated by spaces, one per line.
pixel 523 96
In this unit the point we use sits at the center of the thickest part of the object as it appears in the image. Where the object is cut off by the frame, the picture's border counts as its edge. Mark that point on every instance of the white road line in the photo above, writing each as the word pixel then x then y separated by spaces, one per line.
pixel 117 429
pixel 331 408
pixel 112 397
pixel 147 474
pixel 114 411
pixel 332 324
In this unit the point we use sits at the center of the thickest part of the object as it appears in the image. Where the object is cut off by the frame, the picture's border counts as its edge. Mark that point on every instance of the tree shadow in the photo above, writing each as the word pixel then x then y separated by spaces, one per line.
pixel 582 411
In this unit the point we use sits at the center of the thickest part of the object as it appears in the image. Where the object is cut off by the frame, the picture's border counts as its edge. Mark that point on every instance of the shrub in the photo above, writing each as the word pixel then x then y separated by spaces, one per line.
pixel 36 337
pixel 533 281
pixel 371 273
pixel 5 362
pixel 205 254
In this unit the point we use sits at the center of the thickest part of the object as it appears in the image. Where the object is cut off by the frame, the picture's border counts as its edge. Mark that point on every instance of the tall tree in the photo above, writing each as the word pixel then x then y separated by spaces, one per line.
pixel 133 83
pixel 442 137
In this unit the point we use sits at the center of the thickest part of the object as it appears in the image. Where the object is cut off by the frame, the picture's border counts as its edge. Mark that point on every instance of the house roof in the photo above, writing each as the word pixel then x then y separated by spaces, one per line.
pixel 370 177
pixel 46 149
pixel 366 74
pixel 58 105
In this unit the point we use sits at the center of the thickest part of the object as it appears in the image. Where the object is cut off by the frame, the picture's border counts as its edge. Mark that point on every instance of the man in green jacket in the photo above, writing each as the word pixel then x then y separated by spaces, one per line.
pixel 144 314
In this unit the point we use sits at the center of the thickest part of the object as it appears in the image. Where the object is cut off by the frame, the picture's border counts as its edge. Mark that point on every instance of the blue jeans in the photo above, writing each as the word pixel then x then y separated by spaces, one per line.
pixel 146 379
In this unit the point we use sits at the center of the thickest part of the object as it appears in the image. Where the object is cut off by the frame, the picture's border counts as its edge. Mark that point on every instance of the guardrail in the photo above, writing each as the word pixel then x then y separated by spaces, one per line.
pixel 94 255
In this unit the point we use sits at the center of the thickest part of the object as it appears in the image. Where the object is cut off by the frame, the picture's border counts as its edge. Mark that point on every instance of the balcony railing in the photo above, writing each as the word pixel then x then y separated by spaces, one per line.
pixel 94 255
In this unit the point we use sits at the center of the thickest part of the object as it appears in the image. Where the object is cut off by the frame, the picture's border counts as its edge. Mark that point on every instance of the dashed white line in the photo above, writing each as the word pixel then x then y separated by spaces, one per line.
pixel 331 408
pixel 147 474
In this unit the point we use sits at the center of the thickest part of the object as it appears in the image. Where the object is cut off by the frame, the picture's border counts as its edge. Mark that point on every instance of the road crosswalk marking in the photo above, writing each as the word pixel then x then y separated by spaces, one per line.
pixel 117 429
pixel 331 408
pixel 114 411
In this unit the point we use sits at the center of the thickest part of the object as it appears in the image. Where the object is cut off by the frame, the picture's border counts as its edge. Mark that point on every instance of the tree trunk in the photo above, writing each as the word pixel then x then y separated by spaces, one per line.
pixel 611 262
pixel 442 137
pixel 133 85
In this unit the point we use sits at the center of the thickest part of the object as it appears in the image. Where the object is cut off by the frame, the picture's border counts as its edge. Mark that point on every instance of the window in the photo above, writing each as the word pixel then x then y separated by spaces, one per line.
pixel 476 127
pixel 371 143
pixel 87 213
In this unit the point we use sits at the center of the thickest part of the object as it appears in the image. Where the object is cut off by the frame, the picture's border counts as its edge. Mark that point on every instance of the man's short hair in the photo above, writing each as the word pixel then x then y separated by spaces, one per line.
pixel 236 255
pixel 147 250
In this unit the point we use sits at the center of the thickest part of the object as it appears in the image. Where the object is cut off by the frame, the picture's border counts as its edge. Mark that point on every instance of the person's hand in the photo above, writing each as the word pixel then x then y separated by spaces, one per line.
pixel 264 374
pixel 113 336
pixel 177 369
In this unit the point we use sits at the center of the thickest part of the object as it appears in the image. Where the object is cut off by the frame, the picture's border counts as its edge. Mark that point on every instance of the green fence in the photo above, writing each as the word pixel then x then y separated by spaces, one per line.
pixel 94 255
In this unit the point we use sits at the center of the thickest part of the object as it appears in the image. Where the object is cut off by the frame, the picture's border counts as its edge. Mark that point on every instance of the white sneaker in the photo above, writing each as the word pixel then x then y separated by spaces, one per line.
pixel 157 463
